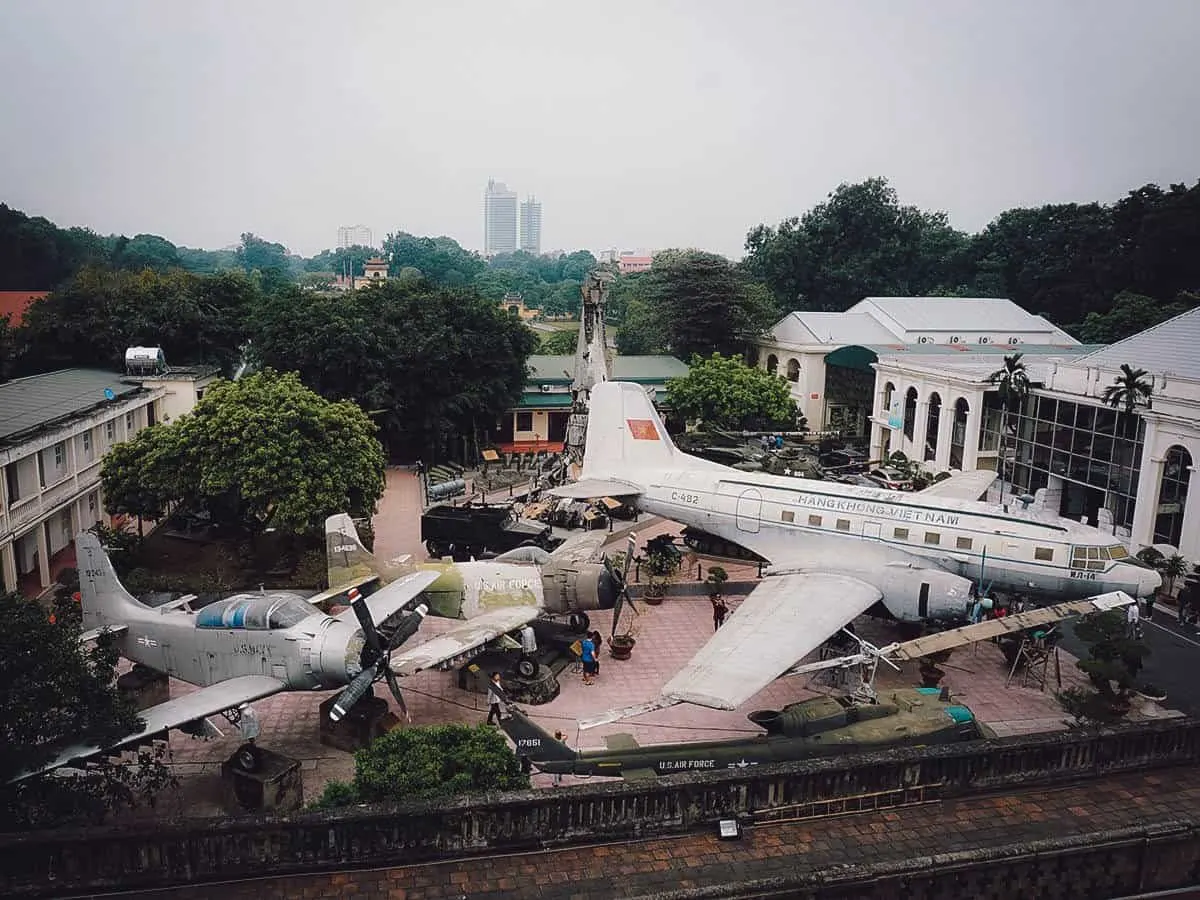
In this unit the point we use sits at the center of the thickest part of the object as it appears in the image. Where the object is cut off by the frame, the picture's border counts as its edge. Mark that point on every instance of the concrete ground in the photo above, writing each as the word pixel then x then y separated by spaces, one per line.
pixel 667 636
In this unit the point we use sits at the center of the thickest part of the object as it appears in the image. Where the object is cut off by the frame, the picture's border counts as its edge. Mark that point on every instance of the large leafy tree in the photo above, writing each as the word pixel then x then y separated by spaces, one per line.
pixel 429 763
pixel 723 392
pixel 436 365
pixel 695 302
pixel 560 343
pixel 860 242
pixel 1129 314
pixel 93 318
pixel 145 251
pixel 441 260
pixel 341 261
pixel 55 693
pixel 264 450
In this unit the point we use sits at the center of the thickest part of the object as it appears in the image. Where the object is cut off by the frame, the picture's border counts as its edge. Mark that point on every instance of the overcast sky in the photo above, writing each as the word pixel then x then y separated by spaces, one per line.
pixel 643 124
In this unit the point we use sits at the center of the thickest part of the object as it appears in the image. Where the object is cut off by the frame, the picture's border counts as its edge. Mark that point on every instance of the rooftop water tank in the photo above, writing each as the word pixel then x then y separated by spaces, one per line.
pixel 145 361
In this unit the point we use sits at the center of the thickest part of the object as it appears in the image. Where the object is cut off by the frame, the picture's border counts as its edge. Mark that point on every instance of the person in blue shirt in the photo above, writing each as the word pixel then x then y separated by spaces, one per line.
pixel 587 655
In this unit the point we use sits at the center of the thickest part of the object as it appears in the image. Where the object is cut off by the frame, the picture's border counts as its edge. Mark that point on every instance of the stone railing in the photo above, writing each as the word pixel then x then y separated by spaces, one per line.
pixel 81 860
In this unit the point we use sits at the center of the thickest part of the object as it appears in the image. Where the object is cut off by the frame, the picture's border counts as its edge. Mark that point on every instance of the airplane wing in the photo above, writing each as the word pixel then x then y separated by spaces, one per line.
pixel 579 549
pixel 962 485
pixel 206 701
pixel 393 597
pixel 591 488
pixel 782 620
pixel 472 633
pixel 93 633
pixel 334 592
pixel 982 631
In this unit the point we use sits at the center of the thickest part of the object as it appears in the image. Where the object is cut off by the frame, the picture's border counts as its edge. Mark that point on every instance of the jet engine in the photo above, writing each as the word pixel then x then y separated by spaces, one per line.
pixel 578 589
pixel 913 594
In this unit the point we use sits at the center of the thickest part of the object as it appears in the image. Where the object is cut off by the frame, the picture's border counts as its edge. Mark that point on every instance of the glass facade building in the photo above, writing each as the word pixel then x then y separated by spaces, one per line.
pixel 1093 453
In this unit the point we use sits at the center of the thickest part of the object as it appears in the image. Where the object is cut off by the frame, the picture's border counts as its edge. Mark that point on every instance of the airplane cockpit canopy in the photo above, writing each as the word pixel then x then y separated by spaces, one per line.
pixel 256 612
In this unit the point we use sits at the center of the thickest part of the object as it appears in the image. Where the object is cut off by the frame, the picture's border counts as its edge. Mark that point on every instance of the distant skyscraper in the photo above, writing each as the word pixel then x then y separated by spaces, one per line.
pixel 499 219
pixel 354 236
pixel 531 226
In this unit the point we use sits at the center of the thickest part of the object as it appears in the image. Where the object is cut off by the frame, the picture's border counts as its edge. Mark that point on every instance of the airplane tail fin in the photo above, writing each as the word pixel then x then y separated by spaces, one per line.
pixel 103 600
pixel 533 741
pixel 626 439
pixel 349 562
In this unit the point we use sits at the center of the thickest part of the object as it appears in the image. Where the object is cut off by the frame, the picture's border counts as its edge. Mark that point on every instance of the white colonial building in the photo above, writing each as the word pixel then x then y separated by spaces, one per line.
pixel 928 395
pixel 54 431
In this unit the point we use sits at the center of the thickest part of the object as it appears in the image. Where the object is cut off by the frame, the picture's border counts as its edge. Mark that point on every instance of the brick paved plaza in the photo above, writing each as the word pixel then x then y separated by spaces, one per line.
pixel 667 636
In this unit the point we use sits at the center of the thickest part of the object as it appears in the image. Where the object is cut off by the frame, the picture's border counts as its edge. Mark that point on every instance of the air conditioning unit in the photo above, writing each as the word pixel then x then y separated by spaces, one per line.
pixel 546 388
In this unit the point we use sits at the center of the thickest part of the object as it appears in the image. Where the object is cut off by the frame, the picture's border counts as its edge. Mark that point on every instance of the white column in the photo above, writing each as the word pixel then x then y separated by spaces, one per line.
pixel 876 440
pixel 945 434
pixel 971 437
pixel 43 555
pixel 1189 537
pixel 1145 509
pixel 920 431
pixel 8 567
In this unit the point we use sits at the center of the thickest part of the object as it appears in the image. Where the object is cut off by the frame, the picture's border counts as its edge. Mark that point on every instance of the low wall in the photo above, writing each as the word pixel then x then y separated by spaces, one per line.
pixel 165 854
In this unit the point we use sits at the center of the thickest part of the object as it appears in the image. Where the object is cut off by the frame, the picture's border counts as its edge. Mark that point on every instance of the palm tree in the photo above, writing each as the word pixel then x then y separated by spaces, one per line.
pixel 1129 389
pixel 1013 382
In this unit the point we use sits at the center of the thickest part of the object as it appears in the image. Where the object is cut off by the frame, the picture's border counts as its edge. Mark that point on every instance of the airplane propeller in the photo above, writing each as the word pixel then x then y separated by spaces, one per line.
pixel 376 656
pixel 621 579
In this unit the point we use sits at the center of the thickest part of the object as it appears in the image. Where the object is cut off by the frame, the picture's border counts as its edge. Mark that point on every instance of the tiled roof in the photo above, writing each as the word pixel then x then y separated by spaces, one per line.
pixel 831 328
pixel 956 314
pixel 14 303
pixel 40 400
pixel 1168 348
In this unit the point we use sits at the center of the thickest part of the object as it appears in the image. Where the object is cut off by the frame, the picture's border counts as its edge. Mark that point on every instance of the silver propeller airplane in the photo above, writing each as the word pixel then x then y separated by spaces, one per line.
pixel 252 645
pixel 835 550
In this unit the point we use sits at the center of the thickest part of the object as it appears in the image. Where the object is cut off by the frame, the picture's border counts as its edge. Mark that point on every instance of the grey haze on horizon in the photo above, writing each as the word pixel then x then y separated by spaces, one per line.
pixel 673 123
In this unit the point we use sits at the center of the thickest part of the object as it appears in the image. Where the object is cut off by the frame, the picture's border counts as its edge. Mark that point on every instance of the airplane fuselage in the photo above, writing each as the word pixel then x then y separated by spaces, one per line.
pixel 783 518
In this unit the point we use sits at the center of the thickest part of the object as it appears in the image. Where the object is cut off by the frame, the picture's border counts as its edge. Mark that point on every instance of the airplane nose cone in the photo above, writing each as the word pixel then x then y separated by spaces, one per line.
pixel 1149 581
pixel 606 590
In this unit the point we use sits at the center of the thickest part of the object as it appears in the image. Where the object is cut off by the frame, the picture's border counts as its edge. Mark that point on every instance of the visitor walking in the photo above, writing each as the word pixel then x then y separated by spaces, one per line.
pixel 587 655
pixel 720 610
pixel 497 700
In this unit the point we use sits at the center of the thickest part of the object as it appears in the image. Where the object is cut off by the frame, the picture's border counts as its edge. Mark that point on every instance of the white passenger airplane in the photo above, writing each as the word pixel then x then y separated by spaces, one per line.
pixel 835 550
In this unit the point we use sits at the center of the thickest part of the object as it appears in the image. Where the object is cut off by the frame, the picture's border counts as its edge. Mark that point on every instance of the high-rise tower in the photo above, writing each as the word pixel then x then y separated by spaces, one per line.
pixel 531 226
pixel 499 219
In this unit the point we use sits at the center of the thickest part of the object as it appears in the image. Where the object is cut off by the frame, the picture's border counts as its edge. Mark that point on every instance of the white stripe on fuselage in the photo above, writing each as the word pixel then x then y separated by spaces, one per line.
pixel 725 505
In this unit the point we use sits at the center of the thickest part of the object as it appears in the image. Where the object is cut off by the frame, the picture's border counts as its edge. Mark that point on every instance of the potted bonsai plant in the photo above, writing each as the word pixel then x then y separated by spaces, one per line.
pixel 1114 660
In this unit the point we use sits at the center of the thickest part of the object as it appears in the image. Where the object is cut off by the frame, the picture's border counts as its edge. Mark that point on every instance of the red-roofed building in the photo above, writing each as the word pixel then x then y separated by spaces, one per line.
pixel 14 303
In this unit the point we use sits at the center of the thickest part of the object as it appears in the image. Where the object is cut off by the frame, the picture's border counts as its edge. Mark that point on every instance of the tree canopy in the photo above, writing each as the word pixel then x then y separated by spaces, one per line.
pixel 560 343
pixel 98 313
pixel 264 450
pixel 429 763
pixel 1065 261
pixel 723 392
pixel 694 302
pixel 54 692
pixel 432 362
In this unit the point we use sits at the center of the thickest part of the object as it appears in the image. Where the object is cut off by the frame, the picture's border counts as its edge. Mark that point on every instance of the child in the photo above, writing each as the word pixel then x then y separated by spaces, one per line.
pixel 587 655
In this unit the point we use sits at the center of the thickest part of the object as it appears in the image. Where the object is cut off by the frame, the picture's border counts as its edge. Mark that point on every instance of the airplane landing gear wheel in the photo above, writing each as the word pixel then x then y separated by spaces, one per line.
pixel 436 550
pixel 527 667
pixel 248 758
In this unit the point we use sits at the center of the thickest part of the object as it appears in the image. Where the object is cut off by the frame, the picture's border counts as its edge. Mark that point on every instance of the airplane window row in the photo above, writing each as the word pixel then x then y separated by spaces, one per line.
pixel 934 539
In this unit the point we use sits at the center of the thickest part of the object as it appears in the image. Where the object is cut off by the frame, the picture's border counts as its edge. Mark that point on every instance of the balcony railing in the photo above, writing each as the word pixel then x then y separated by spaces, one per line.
pixel 25 512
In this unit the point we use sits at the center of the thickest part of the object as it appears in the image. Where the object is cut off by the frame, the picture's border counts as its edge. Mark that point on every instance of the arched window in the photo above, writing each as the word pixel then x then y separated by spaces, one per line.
pixel 1172 496
pixel 910 412
pixel 958 432
pixel 891 415
pixel 931 425
pixel 772 363
pixel 793 370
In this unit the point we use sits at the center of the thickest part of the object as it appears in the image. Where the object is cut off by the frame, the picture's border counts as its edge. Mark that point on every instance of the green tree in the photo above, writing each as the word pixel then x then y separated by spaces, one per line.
pixel 859 243
pixel 435 364
pixel 429 763
pixel 1129 314
pixel 93 318
pixel 560 343
pixel 700 303
pixel 256 254
pixel 264 450
pixel 441 260
pixel 144 251
pixel 723 392
pixel 342 260
pixel 54 692
pixel 1013 383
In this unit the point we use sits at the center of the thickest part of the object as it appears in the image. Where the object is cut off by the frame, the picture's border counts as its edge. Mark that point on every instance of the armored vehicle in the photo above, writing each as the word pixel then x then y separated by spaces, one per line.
pixel 822 726
pixel 476 530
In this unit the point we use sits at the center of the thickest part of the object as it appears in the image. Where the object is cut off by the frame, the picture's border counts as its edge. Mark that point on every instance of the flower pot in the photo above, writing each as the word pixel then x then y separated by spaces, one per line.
pixel 621 646
pixel 655 591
